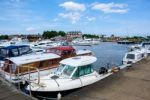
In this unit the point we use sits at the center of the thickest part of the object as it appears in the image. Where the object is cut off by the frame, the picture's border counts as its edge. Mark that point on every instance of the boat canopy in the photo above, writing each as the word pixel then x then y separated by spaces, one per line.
pixel 63 48
pixel 13 51
pixel 79 61
pixel 32 58
pixel 84 51
pixel 136 52
pixel 14 46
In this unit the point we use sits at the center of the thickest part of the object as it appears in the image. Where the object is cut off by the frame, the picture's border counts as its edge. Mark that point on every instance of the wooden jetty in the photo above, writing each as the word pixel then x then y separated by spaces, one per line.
pixel 128 84
pixel 9 92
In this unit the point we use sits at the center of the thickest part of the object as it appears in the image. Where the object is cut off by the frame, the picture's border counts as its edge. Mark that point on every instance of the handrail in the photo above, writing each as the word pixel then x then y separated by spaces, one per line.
pixel 29 67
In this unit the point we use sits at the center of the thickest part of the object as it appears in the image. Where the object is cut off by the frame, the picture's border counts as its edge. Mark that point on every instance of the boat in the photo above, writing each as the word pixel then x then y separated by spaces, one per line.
pixel 134 56
pixel 44 44
pixel 148 51
pixel 81 43
pixel 68 51
pixel 15 41
pixel 13 51
pixel 72 73
pixel 17 69
pixel 95 42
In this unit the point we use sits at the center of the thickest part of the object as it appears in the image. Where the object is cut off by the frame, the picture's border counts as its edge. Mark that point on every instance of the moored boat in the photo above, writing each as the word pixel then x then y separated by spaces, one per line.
pixel 68 51
pixel 134 56
pixel 13 51
pixel 15 69
pixel 72 73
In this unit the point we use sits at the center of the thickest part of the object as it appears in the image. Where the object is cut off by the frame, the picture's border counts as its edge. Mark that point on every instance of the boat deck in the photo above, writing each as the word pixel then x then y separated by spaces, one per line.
pixel 9 92
pixel 128 84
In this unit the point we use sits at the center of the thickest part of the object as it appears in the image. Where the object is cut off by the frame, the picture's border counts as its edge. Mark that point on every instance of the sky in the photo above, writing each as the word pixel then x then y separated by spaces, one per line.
pixel 119 17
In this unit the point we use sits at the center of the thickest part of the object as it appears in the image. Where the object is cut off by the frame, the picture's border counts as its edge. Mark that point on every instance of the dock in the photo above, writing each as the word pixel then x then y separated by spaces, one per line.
pixel 125 42
pixel 9 92
pixel 128 84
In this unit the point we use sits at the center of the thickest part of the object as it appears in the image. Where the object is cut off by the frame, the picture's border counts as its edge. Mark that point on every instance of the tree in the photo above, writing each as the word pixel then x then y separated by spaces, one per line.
pixel 61 33
pixel 4 37
pixel 51 34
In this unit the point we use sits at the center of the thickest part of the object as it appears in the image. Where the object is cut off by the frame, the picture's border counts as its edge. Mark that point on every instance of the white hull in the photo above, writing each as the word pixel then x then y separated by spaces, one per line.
pixel 50 85
pixel 25 76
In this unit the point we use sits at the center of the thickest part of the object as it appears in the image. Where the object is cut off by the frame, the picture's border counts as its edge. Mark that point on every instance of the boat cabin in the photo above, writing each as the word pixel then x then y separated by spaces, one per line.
pixel 68 51
pixel 24 65
pixel 134 56
pixel 14 51
pixel 76 67
pixel 63 51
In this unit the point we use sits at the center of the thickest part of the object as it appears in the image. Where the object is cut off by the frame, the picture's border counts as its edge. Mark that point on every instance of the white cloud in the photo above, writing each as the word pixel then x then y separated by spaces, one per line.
pixel 30 29
pixel 73 16
pixel 90 18
pixel 110 7
pixel 73 6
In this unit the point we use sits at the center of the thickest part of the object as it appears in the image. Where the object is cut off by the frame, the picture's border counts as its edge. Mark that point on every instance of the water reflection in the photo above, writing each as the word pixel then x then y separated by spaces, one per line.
pixel 107 53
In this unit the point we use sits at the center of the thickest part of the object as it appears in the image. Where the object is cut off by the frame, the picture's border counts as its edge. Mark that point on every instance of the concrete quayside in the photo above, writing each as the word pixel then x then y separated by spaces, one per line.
pixel 128 84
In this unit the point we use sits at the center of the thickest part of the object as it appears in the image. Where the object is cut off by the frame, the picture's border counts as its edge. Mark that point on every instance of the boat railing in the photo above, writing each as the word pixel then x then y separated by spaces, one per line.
pixel 10 70
pixel 9 74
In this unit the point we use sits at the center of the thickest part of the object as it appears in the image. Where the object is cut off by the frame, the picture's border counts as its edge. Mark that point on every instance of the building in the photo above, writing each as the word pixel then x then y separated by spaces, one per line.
pixel 73 34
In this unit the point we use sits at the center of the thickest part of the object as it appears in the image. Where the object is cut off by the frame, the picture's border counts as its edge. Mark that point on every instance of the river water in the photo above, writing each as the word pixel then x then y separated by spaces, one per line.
pixel 107 53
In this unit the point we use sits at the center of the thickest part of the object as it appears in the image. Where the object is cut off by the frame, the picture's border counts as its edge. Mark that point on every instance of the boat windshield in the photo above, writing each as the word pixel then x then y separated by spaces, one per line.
pixel 130 56
pixel 65 71
pixel 59 69
pixel 3 52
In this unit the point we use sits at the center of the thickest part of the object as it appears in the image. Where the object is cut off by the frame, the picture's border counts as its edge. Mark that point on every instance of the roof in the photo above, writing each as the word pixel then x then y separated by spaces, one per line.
pixel 79 61
pixel 14 46
pixel 32 58
pixel 137 51
pixel 63 48
pixel 80 52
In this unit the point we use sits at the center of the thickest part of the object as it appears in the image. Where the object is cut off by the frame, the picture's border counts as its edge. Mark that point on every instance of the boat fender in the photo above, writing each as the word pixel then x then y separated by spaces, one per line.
pixel 103 70
pixel 115 69
pixel 23 82
pixel 58 96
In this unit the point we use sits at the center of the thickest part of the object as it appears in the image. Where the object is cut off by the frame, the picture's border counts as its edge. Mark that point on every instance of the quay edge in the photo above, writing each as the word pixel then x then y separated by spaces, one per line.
pixel 128 84
pixel 9 92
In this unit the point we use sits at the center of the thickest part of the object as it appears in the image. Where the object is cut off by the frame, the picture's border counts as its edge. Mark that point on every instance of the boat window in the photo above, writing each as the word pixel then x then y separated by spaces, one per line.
pixel 83 70
pixel 24 50
pixel 60 69
pixel 58 52
pixel 142 55
pixel 41 44
pixel 3 53
pixel 49 42
pixel 68 71
pixel 130 56
pixel 14 52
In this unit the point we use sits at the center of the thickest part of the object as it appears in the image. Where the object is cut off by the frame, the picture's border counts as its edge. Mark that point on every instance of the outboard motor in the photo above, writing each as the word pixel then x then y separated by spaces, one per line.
pixel 103 70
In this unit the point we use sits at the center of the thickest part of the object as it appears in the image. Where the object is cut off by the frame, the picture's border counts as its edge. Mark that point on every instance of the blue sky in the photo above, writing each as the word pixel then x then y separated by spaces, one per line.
pixel 119 17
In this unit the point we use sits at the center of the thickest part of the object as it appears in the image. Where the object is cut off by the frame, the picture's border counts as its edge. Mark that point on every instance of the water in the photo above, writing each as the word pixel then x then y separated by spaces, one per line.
pixel 107 53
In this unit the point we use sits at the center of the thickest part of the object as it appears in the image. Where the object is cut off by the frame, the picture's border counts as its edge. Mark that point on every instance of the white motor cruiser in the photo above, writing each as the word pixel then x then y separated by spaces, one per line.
pixel 134 56
pixel 72 73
